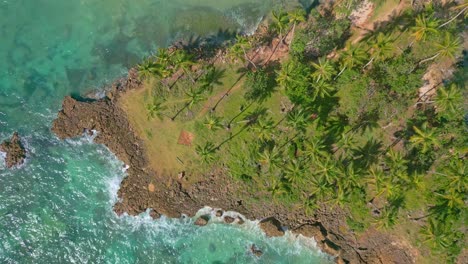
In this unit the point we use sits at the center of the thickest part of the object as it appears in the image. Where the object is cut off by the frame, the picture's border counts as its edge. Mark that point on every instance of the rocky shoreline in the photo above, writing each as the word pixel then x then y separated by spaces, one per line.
pixel 144 189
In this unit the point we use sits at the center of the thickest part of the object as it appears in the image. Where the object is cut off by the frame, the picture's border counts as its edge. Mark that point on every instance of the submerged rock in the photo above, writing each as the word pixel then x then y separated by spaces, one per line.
pixel 202 220
pixel 272 227
pixel 15 152
pixel 256 251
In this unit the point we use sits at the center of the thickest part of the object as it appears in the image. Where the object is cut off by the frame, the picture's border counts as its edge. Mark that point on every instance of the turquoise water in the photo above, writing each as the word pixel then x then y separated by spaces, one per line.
pixel 57 208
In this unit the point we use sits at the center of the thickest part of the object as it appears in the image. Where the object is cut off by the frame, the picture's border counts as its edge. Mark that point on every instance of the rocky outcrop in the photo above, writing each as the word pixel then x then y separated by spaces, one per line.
pixel 15 152
pixel 202 220
pixel 143 188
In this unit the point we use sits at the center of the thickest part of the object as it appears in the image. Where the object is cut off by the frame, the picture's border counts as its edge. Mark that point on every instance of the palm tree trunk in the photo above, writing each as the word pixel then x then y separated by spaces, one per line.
pixel 239 114
pixel 248 59
pixel 453 18
pixel 292 35
pixel 429 59
pixel 341 72
pixel 180 111
pixel 230 138
pixel 228 91
pixel 369 63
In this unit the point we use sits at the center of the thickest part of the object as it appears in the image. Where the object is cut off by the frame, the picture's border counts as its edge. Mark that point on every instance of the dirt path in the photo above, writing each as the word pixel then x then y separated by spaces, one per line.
pixel 362 17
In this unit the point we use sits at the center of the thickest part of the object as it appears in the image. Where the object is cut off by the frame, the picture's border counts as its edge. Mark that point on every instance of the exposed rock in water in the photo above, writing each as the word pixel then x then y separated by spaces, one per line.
pixel 256 251
pixel 272 227
pixel 219 213
pixel 202 220
pixel 15 152
pixel 240 220
pixel 154 214
pixel 229 220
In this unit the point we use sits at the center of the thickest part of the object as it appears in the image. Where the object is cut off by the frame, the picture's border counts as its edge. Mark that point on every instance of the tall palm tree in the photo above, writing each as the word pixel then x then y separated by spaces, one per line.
pixel 435 234
pixel 288 75
pixel 148 68
pixel 321 89
pixel 238 51
pixel 212 77
pixel 206 152
pixel 449 100
pixel 280 22
pixel 294 172
pixel 456 174
pixel 324 70
pixel 193 97
pixel 184 61
pixel 156 109
pixel 327 169
pixel 264 128
pixel 381 48
pixel 270 159
pixel 424 138
pixel 463 7
pixel 352 56
pixel 425 27
pixel 295 17
pixel 163 57
pixel 213 122
pixel 315 149
pixel 298 120
pixel 447 48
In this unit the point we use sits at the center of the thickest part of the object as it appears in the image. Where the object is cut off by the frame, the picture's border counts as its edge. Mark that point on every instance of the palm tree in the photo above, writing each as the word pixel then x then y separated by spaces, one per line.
pixel 463 7
pixel 447 48
pixel 298 120
pixel 327 169
pixel 424 138
pixel 449 100
pixel 381 48
pixel 324 70
pixel 156 109
pixel 320 188
pixel 280 22
pixel 147 69
pixel 351 57
pixel 213 122
pixel 424 27
pixel 321 89
pixel 288 75
pixel 294 172
pixel 315 149
pixel 396 161
pixel 184 61
pixel 456 173
pixel 270 159
pixel 163 57
pixel 194 97
pixel 238 51
pixel 264 128
pixel 296 17
pixel 211 78
pixel 435 234
pixel 206 152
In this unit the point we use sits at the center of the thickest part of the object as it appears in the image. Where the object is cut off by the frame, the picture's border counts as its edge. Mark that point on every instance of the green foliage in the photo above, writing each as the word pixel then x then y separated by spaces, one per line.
pixel 260 85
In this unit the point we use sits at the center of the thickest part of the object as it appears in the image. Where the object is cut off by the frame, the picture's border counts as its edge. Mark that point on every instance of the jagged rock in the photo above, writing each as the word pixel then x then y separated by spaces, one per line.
pixel 256 251
pixel 154 214
pixel 219 213
pixel 229 220
pixel 240 220
pixel 15 152
pixel 272 227
pixel 202 220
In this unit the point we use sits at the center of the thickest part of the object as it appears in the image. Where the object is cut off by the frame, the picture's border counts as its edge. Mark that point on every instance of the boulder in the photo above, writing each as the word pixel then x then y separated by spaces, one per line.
pixel 229 220
pixel 15 152
pixel 272 227
pixel 240 220
pixel 202 220
pixel 219 213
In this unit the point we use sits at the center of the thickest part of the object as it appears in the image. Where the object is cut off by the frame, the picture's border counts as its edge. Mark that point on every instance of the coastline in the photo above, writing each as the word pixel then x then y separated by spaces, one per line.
pixel 172 199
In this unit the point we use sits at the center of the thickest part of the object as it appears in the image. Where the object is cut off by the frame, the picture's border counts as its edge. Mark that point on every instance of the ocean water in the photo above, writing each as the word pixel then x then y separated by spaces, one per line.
pixel 57 207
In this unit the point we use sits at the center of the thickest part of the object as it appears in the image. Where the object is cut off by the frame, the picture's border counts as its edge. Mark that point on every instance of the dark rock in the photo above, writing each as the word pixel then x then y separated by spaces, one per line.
pixel 202 220
pixel 15 152
pixel 154 214
pixel 256 251
pixel 229 220
pixel 240 220
pixel 272 227
pixel 219 213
